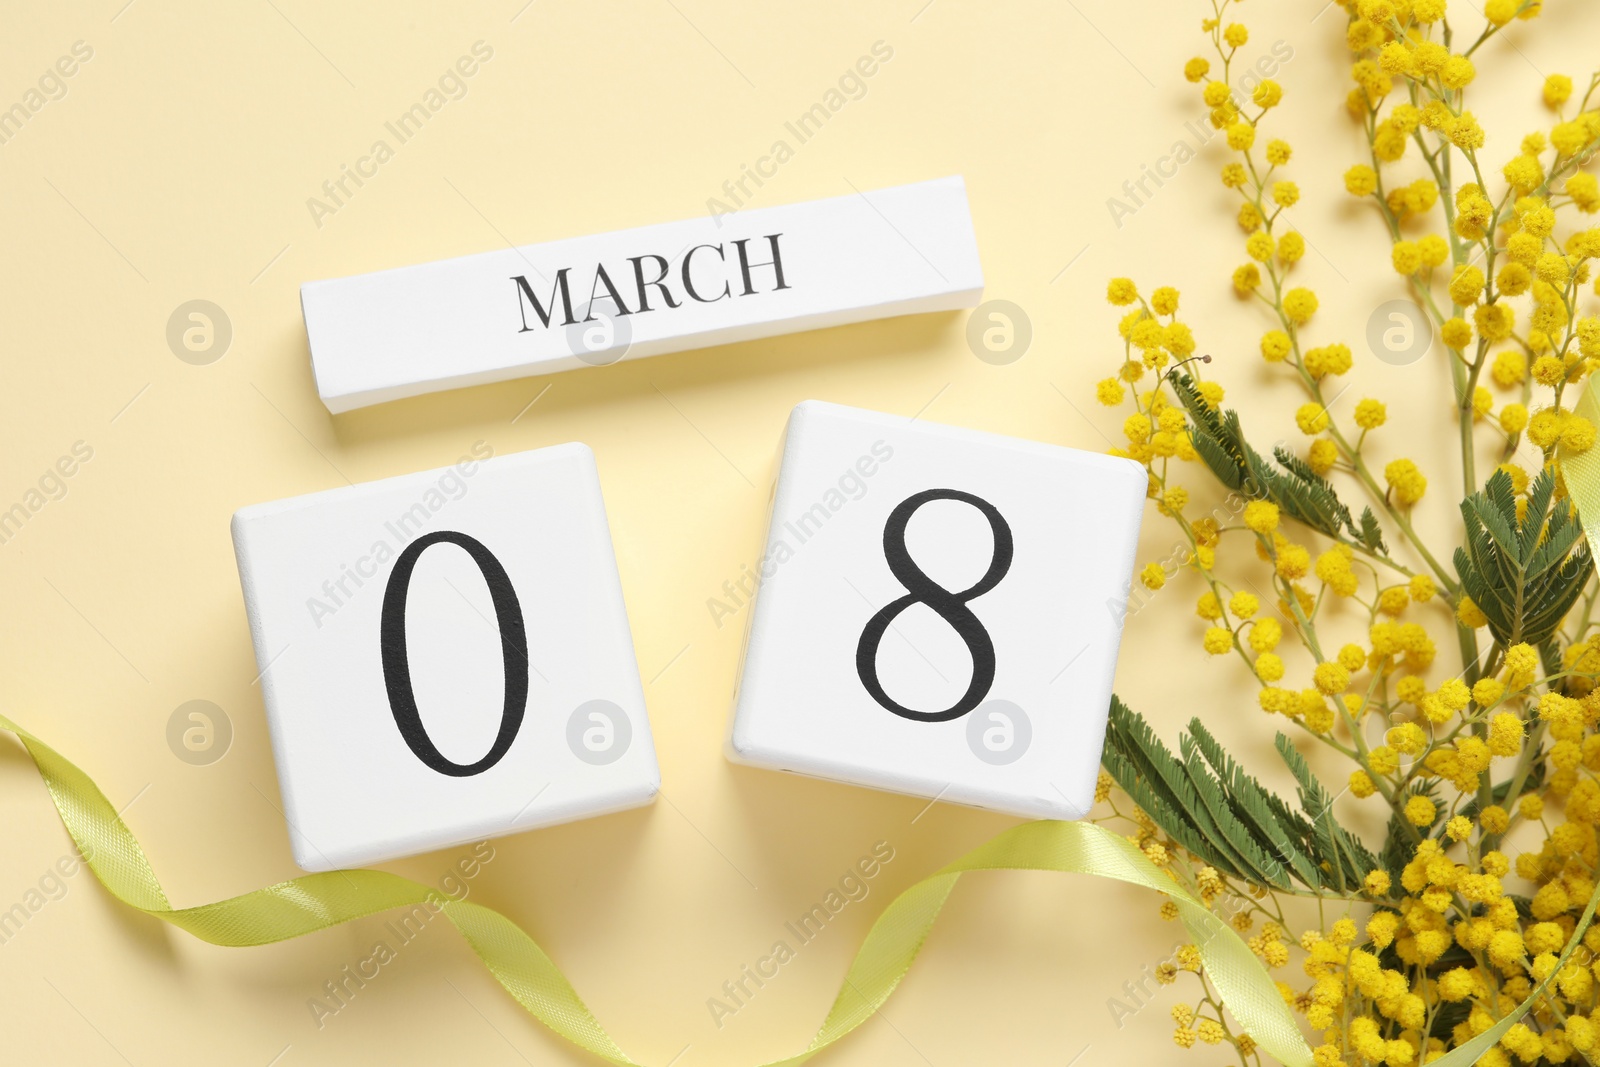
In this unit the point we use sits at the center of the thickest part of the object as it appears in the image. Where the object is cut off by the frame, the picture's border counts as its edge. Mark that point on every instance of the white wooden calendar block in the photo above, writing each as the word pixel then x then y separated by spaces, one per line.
pixel 938 612
pixel 588 301
pixel 444 656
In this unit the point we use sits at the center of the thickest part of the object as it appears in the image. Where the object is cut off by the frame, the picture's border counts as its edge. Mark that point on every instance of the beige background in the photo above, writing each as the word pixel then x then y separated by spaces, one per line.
pixel 178 165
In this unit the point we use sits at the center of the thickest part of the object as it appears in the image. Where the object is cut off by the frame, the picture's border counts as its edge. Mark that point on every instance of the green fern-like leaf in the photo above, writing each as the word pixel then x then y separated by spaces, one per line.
pixel 1524 573
pixel 1278 830
pixel 1206 802
pixel 1148 772
pixel 1371 533
pixel 1298 491
pixel 1344 859
pixel 1258 861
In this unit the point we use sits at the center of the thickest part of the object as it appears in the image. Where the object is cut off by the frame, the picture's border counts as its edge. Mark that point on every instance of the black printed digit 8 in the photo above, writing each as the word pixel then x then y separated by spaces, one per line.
pixel 949 606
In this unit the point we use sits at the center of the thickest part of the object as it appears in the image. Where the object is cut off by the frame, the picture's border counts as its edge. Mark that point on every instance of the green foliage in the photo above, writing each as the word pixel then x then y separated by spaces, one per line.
pixel 1207 803
pixel 1300 492
pixel 1345 859
pixel 1524 574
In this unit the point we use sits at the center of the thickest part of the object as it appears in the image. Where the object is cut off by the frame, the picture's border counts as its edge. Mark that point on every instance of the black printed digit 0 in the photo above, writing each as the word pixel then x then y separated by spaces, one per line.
pixel 949 606
pixel 397 667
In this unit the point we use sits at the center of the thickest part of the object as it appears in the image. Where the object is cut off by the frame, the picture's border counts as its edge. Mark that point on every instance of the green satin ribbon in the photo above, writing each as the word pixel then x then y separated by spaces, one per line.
pixel 317 901
pixel 1581 471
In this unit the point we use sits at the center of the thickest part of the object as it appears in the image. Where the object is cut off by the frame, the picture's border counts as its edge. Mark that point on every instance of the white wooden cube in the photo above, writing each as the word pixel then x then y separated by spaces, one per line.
pixel 444 656
pixel 938 612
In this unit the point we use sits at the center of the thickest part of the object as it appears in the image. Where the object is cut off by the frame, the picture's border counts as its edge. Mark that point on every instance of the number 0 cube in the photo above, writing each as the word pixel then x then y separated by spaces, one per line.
pixel 938 612
pixel 444 656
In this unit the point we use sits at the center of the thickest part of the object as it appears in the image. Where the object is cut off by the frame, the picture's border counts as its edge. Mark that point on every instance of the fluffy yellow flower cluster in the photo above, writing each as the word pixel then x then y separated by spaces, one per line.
pixel 1494 248
pixel 1490 777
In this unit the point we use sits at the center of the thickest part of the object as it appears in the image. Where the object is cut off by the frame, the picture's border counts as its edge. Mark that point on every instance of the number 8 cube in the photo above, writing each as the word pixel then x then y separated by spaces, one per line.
pixel 938 612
